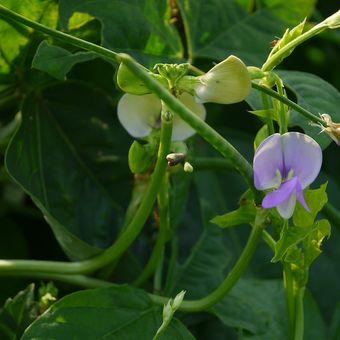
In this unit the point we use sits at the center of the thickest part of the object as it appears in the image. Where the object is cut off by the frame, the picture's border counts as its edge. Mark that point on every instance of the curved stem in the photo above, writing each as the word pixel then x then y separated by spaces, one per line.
pixel 314 118
pixel 123 242
pixel 233 276
pixel 202 128
pixel 158 249
pixel 299 321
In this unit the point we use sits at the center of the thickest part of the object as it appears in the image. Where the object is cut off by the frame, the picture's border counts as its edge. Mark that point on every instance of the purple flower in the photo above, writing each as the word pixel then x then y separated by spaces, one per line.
pixel 287 163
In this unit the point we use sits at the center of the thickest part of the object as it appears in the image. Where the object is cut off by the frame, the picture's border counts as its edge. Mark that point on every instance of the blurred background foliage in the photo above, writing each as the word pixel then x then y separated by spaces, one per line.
pixel 205 32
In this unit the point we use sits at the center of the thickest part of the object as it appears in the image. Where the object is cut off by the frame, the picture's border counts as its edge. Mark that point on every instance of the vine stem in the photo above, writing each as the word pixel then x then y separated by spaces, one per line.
pixel 299 321
pixel 290 297
pixel 314 118
pixel 126 238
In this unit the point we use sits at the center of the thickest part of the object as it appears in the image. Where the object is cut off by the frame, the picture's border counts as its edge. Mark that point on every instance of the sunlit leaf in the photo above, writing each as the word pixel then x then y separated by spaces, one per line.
pixel 117 313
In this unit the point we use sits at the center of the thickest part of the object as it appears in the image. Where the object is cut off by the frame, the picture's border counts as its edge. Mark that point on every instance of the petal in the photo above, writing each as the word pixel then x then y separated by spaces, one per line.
pixel 303 155
pixel 268 160
pixel 280 195
pixel 226 83
pixel 181 130
pixel 138 114
pixel 299 196
pixel 286 209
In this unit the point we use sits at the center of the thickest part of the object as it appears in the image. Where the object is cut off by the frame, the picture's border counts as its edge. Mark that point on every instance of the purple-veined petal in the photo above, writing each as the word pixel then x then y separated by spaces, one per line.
pixel 139 114
pixel 268 161
pixel 181 130
pixel 303 155
pixel 299 196
pixel 280 195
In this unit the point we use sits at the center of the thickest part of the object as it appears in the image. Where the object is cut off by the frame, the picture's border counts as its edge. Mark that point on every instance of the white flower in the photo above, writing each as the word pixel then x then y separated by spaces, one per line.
pixel 140 114
pixel 226 83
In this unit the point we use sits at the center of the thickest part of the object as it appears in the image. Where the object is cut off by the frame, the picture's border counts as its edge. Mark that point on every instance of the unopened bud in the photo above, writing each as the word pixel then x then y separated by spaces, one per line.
pixel 188 167
pixel 175 158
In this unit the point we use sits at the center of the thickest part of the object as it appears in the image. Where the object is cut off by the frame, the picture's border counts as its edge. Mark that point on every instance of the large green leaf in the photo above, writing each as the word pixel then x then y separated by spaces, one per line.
pixel 218 28
pixel 315 95
pixel 69 154
pixel 107 313
pixel 141 28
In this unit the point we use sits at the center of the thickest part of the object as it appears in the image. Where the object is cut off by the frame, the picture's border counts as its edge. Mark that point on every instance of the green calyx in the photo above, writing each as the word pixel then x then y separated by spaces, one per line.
pixel 173 73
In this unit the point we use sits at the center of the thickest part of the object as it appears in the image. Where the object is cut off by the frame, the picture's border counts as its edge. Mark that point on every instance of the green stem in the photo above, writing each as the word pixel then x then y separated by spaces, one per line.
pixel 299 322
pixel 7 14
pixel 269 121
pixel 274 60
pixel 314 118
pixel 290 297
pixel 202 128
pixel 282 111
pixel 233 276
pixel 125 239
pixel 158 249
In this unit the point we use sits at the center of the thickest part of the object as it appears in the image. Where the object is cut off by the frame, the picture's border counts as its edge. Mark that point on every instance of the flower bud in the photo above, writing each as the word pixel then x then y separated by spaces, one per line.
pixel 188 167
pixel 332 129
pixel 226 83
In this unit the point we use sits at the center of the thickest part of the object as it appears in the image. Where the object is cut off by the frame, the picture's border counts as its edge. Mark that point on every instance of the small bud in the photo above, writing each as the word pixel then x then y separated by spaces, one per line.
pixel 167 311
pixel 332 129
pixel 333 21
pixel 188 167
pixel 178 300
pixel 175 158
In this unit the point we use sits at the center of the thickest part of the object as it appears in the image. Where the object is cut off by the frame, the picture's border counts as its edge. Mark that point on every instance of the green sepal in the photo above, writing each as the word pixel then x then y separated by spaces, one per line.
pixel 141 156
pixel 129 83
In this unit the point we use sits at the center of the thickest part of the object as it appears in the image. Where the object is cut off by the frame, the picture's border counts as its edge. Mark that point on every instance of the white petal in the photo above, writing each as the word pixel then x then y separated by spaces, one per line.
pixel 226 83
pixel 139 114
pixel 181 130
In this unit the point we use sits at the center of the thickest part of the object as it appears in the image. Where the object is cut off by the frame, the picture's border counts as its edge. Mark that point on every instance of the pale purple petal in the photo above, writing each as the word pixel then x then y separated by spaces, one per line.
pixel 280 195
pixel 139 114
pixel 181 130
pixel 286 209
pixel 268 160
pixel 303 155
pixel 299 196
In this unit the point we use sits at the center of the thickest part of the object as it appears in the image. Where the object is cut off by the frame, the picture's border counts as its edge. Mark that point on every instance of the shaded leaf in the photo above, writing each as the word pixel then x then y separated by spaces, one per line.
pixel 18 313
pixel 315 95
pixel 118 312
pixel 69 155
pixel 140 28
pixel 57 61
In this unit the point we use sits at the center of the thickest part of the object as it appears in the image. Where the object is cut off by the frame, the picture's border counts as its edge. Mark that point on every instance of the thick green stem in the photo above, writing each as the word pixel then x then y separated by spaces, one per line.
pixel 299 321
pixel 123 242
pixel 215 296
pixel 158 249
pixel 290 297
pixel 314 118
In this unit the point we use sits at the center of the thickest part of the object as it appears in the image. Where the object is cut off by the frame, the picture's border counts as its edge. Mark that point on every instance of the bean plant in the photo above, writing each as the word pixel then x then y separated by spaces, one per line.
pixel 179 169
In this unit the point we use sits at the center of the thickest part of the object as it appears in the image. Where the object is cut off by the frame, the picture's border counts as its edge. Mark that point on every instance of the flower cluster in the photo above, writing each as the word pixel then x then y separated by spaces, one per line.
pixel 139 111
pixel 287 163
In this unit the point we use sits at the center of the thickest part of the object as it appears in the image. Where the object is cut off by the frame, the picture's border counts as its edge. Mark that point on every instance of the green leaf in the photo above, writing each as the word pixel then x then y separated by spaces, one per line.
pixel 315 199
pixel 17 314
pixel 291 11
pixel 69 154
pixel 315 95
pixel 117 313
pixel 140 28
pixel 256 306
pixel 335 325
pixel 218 28
pixel 270 113
pixel 291 236
pixel 14 37
pixel 245 214
pixel 57 61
